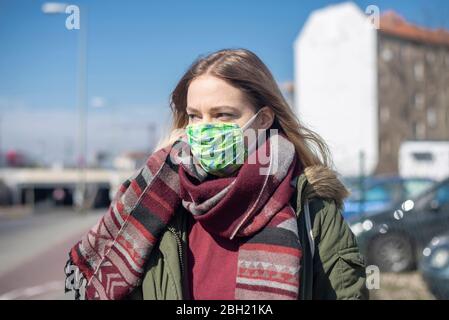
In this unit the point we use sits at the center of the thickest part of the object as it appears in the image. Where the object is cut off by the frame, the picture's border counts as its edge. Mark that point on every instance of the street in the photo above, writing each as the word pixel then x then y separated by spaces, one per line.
pixel 33 252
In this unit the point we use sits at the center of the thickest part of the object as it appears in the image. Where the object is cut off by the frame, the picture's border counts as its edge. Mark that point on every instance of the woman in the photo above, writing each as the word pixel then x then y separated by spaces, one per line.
pixel 237 204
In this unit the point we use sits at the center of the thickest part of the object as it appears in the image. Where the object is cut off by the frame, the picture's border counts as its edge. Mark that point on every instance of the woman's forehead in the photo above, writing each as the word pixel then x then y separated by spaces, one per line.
pixel 207 93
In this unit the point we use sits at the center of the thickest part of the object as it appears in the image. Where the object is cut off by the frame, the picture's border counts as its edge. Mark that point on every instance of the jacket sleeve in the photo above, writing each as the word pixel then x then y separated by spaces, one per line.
pixel 76 280
pixel 89 254
pixel 339 268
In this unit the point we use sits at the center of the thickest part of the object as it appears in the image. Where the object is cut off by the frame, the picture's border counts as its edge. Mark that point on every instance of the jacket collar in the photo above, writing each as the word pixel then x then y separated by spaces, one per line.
pixel 320 181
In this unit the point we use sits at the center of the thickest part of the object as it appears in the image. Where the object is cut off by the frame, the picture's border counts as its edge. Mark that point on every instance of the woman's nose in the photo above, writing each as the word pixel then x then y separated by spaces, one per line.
pixel 206 119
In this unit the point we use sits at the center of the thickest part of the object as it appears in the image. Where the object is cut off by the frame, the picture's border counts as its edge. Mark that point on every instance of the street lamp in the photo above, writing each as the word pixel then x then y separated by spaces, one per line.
pixel 60 8
pixel 54 7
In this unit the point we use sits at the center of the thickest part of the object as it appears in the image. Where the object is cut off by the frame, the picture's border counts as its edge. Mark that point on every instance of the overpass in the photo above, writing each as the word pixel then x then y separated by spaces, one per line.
pixel 31 185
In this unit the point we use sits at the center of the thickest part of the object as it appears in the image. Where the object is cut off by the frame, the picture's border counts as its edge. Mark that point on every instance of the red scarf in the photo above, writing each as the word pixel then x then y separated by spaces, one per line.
pixel 249 204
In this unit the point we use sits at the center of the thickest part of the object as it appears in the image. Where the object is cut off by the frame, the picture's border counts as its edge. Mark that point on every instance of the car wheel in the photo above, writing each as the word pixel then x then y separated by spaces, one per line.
pixel 392 253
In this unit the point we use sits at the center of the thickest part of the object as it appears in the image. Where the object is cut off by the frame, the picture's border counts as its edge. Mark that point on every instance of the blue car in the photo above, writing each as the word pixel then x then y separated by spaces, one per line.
pixel 434 266
pixel 393 239
pixel 381 192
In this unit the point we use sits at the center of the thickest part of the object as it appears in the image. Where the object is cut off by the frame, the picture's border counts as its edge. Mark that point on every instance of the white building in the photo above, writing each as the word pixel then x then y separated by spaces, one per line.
pixel 336 84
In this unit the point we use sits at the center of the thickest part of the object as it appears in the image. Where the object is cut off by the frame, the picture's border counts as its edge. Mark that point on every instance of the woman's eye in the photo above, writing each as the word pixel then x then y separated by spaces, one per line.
pixel 225 115
pixel 192 116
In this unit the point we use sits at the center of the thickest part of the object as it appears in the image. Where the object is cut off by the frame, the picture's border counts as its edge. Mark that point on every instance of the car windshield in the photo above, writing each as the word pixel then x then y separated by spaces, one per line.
pixel 374 191
pixel 387 190
pixel 440 193
pixel 414 188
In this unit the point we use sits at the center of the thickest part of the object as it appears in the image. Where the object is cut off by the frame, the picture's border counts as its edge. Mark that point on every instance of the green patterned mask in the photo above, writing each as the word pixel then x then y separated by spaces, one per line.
pixel 218 147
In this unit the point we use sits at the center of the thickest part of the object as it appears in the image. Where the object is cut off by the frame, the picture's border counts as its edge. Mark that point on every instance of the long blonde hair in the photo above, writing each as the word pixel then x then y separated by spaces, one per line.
pixel 244 70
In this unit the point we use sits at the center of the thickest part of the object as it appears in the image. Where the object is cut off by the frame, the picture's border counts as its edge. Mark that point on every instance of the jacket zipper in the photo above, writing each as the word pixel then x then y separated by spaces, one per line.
pixel 179 242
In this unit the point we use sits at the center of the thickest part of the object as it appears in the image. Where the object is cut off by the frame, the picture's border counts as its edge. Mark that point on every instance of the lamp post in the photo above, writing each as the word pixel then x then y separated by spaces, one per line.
pixel 60 8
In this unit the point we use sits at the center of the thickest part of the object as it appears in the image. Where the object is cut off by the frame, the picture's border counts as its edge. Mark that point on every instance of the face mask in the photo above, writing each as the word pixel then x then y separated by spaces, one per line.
pixel 218 147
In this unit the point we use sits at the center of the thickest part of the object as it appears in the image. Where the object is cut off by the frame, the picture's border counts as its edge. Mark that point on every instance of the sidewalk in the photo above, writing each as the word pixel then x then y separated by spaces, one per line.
pixel 33 252
pixel 15 212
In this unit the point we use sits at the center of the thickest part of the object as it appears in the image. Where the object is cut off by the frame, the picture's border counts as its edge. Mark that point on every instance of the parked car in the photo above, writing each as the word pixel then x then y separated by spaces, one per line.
pixel 434 266
pixel 379 193
pixel 393 238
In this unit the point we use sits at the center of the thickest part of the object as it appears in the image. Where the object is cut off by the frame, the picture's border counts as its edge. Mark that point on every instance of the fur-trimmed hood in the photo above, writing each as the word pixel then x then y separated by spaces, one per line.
pixel 321 181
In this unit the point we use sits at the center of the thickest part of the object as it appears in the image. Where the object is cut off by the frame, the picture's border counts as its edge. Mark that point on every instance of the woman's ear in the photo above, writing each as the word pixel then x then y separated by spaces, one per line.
pixel 265 118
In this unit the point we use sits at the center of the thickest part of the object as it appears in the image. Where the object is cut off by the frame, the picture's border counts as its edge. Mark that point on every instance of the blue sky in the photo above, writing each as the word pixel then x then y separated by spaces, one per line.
pixel 139 49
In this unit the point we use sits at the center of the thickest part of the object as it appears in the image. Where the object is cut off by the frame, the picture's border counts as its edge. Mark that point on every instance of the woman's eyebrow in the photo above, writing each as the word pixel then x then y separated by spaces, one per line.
pixel 224 108
pixel 191 109
pixel 215 109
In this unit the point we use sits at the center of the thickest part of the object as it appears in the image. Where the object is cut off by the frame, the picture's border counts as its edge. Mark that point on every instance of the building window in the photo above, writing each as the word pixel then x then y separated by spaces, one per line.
pixel 387 54
pixel 419 130
pixel 423 156
pixel 419 100
pixel 419 71
pixel 431 117
pixel 384 114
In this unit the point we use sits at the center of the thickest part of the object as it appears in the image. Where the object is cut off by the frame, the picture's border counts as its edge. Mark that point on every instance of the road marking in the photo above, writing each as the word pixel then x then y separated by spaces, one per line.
pixel 29 292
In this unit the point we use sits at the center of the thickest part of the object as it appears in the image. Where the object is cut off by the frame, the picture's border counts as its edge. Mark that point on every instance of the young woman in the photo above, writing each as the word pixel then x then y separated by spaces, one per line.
pixel 240 203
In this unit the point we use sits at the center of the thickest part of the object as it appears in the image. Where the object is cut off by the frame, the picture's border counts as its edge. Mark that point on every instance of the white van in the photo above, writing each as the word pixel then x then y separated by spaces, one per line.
pixel 424 158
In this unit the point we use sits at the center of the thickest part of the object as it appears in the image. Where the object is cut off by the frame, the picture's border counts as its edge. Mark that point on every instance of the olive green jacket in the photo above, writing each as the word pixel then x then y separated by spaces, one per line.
pixel 332 266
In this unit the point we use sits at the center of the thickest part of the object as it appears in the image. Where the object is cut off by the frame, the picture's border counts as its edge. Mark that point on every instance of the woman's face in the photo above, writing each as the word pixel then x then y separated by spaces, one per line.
pixel 210 99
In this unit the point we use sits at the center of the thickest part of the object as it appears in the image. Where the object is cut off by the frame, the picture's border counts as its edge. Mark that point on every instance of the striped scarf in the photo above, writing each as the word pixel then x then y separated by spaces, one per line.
pixel 109 261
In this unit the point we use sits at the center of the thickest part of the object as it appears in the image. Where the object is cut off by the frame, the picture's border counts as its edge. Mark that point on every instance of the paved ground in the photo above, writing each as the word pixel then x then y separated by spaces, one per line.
pixel 33 252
